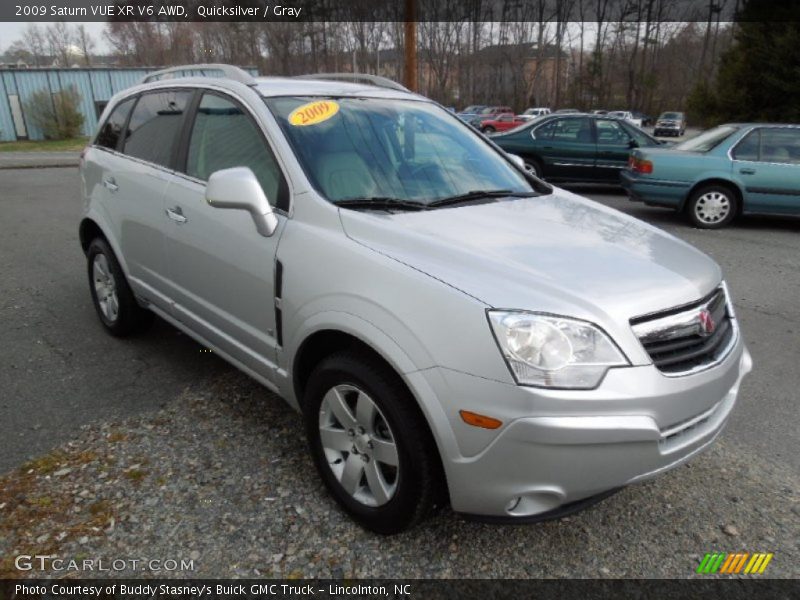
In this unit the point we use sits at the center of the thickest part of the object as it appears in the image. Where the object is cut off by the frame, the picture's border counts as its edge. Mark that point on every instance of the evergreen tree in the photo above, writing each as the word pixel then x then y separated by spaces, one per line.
pixel 759 76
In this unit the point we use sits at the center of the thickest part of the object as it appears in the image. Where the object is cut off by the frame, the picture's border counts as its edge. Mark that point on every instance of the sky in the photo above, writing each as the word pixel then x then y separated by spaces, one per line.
pixel 10 32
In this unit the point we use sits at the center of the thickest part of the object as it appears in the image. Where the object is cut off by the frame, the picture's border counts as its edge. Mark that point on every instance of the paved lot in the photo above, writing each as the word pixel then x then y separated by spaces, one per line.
pixel 172 453
pixel 30 160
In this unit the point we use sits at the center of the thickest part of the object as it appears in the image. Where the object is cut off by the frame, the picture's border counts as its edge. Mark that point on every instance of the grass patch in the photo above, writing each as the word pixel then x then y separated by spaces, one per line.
pixel 74 144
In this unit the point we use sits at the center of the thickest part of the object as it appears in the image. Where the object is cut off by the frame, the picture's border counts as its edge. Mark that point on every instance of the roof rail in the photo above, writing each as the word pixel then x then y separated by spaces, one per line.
pixel 375 80
pixel 227 72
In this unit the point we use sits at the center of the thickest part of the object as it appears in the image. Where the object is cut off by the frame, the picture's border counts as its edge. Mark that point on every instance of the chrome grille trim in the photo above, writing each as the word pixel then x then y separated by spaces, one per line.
pixel 677 341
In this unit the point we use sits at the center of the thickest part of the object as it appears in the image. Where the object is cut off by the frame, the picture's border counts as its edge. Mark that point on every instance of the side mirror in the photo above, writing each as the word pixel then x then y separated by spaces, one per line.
pixel 633 144
pixel 239 188
pixel 517 160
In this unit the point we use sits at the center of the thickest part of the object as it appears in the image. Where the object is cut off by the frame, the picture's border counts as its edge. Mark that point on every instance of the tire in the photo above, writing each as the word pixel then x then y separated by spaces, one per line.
pixel 534 167
pixel 112 297
pixel 488 129
pixel 370 421
pixel 712 207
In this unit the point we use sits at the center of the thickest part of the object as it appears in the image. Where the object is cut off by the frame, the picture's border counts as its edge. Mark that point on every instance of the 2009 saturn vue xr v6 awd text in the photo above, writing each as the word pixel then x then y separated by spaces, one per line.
pixel 450 326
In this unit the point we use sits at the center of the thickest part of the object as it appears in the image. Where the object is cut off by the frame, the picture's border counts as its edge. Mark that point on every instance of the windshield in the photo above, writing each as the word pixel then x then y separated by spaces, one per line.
pixel 473 109
pixel 707 140
pixel 670 116
pixel 392 150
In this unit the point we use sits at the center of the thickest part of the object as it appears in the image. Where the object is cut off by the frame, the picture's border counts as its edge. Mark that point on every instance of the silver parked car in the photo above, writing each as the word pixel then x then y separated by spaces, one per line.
pixel 450 327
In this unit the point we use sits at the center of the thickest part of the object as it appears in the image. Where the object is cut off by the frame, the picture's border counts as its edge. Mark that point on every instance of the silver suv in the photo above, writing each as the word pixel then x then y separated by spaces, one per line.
pixel 450 327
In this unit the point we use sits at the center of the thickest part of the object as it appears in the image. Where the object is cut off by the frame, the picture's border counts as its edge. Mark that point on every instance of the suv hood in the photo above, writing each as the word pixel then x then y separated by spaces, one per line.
pixel 558 253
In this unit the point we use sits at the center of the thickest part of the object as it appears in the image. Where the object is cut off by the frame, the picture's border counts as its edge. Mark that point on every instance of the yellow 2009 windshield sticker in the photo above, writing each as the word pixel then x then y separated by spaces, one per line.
pixel 313 113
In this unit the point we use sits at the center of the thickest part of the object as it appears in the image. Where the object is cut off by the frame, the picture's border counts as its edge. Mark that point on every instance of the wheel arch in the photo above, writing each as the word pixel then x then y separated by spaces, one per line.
pixel 326 341
pixel 92 227
pixel 721 181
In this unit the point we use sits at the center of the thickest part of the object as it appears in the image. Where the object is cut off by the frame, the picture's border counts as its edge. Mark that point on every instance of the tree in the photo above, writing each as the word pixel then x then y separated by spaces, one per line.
pixel 30 48
pixel 60 38
pixel 58 116
pixel 759 76
pixel 85 43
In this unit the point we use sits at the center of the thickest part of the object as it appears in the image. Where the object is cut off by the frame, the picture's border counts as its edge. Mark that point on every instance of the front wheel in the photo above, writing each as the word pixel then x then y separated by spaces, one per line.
pixel 488 129
pixel 712 207
pixel 370 444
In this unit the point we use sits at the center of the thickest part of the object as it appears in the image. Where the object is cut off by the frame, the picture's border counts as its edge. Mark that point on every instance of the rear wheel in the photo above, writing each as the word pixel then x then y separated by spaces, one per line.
pixel 712 207
pixel 370 444
pixel 113 299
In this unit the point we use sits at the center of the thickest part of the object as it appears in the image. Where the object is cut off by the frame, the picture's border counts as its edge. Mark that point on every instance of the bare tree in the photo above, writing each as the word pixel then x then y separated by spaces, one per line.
pixel 60 43
pixel 31 47
pixel 86 44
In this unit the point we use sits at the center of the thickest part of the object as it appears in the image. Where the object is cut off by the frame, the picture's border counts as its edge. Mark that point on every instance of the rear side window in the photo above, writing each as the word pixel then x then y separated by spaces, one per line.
pixel 111 130
pixel 224 136
pixel 572 129
pixel 747 149
pixel 155 126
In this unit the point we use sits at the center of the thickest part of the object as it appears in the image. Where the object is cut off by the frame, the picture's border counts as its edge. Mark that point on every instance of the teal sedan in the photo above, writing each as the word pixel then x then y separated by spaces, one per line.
pixel 740 168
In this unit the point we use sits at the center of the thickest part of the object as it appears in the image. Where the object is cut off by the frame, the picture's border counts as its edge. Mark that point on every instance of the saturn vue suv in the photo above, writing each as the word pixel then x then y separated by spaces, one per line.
pixel 451 328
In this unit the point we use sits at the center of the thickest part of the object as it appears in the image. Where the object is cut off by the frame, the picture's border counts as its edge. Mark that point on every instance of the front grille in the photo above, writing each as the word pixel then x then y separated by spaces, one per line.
pixel 685 339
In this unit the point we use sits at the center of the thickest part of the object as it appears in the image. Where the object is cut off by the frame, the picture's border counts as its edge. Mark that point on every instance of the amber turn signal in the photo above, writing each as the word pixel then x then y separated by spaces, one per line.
pixel 476 420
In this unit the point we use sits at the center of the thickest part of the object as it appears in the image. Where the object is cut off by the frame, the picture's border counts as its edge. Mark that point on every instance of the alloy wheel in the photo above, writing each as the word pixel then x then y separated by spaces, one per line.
pixel 105 288
pixel 359 445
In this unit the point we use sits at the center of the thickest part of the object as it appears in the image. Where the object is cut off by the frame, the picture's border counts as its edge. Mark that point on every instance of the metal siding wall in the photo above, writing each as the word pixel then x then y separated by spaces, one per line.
pixel 7 132
pixel 92 85
pixel 101 85
pixel 30 82
pixel 122 79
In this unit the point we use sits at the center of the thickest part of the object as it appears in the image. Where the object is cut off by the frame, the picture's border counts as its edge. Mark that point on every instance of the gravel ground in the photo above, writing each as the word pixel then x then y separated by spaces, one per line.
pixel 221 477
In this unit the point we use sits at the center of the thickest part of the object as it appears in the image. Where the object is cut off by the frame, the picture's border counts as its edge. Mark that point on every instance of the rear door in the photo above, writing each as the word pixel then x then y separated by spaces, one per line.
pixel 138 181
pixel 567 148
pixel 222 272
pixel 613 149
pixel 101 163
pixel 767 162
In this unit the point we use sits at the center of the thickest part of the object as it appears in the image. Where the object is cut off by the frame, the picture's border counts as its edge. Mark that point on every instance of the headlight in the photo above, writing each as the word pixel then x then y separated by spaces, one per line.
pixel 554 352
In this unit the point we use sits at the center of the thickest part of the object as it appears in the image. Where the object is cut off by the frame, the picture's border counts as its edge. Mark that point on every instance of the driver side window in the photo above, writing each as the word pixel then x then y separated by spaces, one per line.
pixel 224 136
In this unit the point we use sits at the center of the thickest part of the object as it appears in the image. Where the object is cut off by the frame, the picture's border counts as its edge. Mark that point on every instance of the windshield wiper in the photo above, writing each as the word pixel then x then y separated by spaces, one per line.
pixel 480 195
pixel 381 202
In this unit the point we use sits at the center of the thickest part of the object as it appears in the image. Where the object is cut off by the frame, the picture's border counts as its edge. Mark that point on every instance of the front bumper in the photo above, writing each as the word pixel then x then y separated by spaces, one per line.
pixel 644 424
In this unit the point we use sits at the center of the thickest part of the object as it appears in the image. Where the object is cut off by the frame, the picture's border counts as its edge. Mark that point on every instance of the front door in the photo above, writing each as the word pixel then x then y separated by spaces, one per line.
pixel 222 271
pixel 567 148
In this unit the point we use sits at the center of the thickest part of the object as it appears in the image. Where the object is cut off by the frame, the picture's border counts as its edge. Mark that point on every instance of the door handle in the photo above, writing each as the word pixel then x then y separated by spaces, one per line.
pixel 747 171
pixel 111 184
pixel 176 214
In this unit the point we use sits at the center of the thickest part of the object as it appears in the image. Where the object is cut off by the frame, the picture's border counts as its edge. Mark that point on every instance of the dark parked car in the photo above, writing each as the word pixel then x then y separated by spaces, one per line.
pixel 575 147
pixel 470 112
pixel 670 123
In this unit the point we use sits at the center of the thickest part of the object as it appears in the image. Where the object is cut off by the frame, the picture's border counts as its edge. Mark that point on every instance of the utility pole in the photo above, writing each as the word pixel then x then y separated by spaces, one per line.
pixel 410 42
